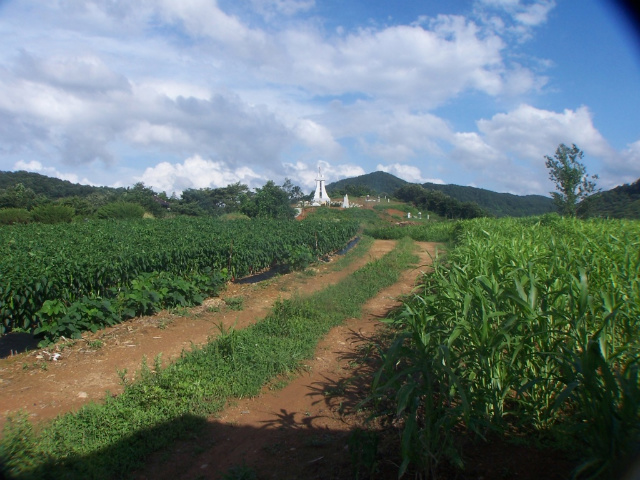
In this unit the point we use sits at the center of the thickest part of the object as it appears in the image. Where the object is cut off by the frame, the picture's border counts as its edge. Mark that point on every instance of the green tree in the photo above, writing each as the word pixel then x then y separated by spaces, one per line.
pixel 145 197
pixel 294 191
pixel 214 201
pixel 19 196
pixel 270 201
pixel 570 177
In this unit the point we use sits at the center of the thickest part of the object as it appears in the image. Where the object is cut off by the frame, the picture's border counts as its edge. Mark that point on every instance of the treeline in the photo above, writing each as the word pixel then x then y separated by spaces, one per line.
pixel 439 203
pixel 496 204
pixel 620 202
pixel 30 197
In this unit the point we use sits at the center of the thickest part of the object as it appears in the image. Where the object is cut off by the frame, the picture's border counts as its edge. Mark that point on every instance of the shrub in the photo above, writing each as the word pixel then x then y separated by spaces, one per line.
pixel 10 216
pixel 53 214
pixel 121 211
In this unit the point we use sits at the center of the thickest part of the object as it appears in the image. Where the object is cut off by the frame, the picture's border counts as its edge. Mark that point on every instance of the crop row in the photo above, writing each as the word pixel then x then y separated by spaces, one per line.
pixel 99 258
pixel 530 324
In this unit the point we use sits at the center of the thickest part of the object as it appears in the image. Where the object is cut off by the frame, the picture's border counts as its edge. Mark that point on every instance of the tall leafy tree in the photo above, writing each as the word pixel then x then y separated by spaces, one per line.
pixel 270 201
pixel 19 196
pixel 294 191
pixel 214 201
pixel 570 177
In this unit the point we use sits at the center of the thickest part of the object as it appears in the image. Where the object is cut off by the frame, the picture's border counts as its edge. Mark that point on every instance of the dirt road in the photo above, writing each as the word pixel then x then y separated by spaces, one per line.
pixel 45 383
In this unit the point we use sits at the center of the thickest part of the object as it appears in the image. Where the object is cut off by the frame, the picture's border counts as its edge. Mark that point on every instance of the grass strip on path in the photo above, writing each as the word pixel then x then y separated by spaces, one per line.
pixel 111 439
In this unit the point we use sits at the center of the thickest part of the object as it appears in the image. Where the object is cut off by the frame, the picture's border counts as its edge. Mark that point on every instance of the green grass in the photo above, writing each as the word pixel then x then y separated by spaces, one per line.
pixel 428 231
pixel 111 439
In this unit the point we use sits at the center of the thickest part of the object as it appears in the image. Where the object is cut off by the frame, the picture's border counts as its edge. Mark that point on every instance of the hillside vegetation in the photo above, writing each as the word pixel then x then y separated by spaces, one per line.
pixel 496 204
pixel 621 202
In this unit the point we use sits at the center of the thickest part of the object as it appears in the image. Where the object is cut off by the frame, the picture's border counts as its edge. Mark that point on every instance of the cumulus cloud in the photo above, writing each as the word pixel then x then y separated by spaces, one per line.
pixel 407 172
pixel 83 111
pixel 621 167
pixel 316 136
pixel 86 73
pixel 37 167
pixel 427 64
pixel 196 172
pixel 531 132
pixel 515 17
pixel 509 148
pixel 472 151
pixel 388 133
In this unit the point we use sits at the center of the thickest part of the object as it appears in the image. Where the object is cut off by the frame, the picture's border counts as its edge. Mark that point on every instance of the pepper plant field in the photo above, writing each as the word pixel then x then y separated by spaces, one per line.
pixel 63 278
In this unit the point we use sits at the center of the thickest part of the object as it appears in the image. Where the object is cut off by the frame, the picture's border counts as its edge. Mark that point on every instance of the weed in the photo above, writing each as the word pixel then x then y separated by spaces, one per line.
pixel 164 323
pixel 95 344
pixel 181 312
pixel 234 303
pixel 309 272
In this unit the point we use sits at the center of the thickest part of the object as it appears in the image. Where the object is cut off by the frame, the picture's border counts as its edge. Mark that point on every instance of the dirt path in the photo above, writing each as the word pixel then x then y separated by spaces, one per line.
pixel 83 370
pixel 301 430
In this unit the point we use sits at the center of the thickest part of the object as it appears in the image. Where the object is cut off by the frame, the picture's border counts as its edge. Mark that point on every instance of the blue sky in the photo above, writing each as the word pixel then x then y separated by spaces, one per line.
pixel 203 93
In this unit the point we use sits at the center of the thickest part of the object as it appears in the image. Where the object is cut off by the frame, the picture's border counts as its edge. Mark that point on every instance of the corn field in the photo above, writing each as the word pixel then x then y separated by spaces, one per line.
pixel 529 326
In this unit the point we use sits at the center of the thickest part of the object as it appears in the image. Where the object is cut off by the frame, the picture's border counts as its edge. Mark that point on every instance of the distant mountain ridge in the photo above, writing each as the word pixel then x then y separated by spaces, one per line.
pixel 51 187
pixel 620 202
pixel 498 204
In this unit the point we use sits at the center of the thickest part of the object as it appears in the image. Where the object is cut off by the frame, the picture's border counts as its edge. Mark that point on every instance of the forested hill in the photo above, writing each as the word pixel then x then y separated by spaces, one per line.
pixel 376 183
pixel 499 204
pixel 619 202
pixel 51 188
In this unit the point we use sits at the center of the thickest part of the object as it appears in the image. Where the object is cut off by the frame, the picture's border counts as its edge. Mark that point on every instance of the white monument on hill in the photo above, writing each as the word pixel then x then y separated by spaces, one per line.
pixel 345 202
pixel 320 197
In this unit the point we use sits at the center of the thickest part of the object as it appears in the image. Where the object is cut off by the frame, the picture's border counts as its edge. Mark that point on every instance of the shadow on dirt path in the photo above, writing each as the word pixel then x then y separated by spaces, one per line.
pixel 301 430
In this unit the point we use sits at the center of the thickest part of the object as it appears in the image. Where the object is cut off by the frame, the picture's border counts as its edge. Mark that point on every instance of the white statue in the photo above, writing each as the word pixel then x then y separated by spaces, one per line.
pixel 320 196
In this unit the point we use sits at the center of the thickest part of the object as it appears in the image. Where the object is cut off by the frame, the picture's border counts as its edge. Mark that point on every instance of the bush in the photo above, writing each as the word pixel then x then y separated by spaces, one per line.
pixel 53 214
pixel 10 216
pixel 120 211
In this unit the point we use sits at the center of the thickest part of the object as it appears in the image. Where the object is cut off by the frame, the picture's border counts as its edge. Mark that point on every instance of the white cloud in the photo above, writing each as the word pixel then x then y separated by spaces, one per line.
pixel 407 172
pixel 37 167
pixel 530 132
pixel 388 132
pixel 317 137
pixel 535 13
pixel 196 172
pixel 81 112
pixel 516 17
pixel 622 167
pixel 473 152
pixel 425 66
pixel 508 149
pixel 147 134
pixel 86 73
